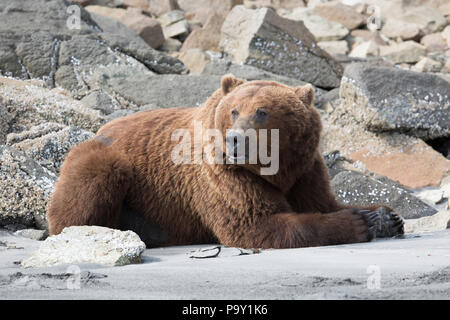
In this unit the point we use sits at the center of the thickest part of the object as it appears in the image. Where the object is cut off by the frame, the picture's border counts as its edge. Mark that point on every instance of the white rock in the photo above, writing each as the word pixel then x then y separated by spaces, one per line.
pixel 365 49
pixel 427 65
pixel 433 196
pixel 436 222
pixel 446 190
pixel 334 47
pixel 179 28
pixel 32 234
pixel 88 244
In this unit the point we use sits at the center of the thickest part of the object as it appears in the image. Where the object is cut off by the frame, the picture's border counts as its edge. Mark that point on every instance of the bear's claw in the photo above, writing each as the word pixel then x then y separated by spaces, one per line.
pixel 390 224
pixel 372 221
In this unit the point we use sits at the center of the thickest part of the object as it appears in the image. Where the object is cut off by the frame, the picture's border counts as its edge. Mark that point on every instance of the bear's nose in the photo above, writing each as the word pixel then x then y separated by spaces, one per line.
pixel 233 139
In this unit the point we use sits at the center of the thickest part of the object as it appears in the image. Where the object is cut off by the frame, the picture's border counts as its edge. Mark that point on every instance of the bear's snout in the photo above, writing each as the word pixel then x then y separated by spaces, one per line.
pixel 236 148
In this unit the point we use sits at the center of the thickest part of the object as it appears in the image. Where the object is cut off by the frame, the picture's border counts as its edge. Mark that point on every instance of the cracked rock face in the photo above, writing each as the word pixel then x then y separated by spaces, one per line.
pixel 389 99
pixel 88 244
pixel 354 188
pixel 25 189
pixel 48 143
pixel 265 40
pixel 38 43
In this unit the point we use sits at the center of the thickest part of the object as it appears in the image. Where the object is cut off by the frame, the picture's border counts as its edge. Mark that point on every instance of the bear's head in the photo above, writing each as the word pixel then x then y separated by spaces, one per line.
pixel 260 118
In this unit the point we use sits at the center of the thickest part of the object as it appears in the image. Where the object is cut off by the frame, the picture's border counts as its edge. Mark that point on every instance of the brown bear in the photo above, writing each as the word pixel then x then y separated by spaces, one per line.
pixel 126 177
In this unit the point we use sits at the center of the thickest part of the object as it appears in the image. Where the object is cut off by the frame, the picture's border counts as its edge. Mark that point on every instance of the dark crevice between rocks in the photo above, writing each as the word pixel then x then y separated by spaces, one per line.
pixel 54 61
pixel 25 71
pixel 441 145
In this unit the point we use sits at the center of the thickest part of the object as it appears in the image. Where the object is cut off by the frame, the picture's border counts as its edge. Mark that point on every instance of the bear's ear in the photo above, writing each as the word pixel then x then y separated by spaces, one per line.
pixel 306 94
pixel 229 83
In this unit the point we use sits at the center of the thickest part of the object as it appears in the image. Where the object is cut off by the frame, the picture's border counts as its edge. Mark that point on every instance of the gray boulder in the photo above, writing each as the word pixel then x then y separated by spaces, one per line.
pixel 164 91
pixel 39 41
pixel 246 72
pixel 88 244
pixel 356 189
pixel 100 100
pixel 25 188
pixel 390 99
pixel 265 40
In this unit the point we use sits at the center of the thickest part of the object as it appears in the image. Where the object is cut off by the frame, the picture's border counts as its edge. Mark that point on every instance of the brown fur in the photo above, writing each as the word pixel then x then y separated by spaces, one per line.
pixel 127 170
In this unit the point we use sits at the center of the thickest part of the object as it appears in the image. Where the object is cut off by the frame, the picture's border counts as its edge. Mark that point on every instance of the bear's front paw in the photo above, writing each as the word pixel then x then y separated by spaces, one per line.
pixel 364 224
pixel 390 224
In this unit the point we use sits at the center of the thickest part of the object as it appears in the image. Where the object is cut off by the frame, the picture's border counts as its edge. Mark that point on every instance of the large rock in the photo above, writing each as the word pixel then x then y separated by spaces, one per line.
pixel 25 188
pixel 394 28
pixel 88 244
pixel 48 143
pixel 206 38
pixel 427 18
pixel 356 189
pixel 112 26
pixel 249 73
pixel 28 104
pixel 402 158
pixel 436 222
pixel 263 39
pixel 195 60
pixel 404 52
pixel 147 28
pixel 410 102
pixel 221 7
pixel 341 13
pixel 39 40
pixel 321 28
pixel 434 42
pixel 165 91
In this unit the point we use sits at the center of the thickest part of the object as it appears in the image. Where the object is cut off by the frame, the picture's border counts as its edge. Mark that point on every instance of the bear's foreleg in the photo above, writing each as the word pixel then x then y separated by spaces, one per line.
pixel 293 230
pixel 92 184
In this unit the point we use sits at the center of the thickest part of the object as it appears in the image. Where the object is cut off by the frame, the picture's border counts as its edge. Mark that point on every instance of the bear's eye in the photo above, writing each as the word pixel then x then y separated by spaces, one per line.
pixel 261 113
pixel 234 113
